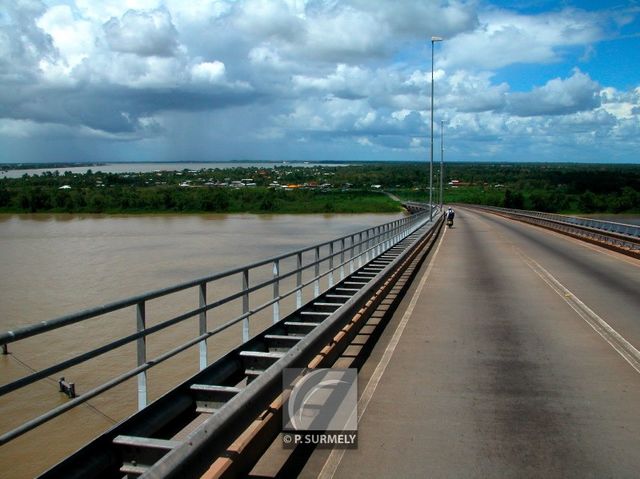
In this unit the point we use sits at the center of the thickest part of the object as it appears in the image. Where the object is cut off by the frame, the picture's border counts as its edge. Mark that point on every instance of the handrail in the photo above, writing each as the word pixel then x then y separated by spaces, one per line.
pixel 582 228
pixel 625 229
pixel 330 258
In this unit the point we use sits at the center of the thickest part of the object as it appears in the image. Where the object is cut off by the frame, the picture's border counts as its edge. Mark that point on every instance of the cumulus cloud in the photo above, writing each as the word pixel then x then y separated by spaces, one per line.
pixel 505 38
pixel 269 19
pixel 74 38
pixel 144 33
pixel 620 104
pixel 23 44
pixel 474 92
pixel 350 82
pixel 209 72
pixel 264 56
pixel 557 97
pixel 347 34
pixel 347 31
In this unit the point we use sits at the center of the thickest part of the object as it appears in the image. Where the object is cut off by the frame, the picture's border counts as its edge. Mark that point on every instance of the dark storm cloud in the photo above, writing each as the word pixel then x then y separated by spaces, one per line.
pixel 115 109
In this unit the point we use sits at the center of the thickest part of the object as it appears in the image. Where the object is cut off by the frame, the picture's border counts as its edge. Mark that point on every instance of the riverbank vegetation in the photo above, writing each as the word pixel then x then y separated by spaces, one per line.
pixel 558 188
pixel 117 200
pixel 564 188
pixel 567 188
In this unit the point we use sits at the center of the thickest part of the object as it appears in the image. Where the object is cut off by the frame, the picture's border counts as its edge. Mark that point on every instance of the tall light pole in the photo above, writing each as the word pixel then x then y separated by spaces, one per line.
pixel 433 41
pixel 441 161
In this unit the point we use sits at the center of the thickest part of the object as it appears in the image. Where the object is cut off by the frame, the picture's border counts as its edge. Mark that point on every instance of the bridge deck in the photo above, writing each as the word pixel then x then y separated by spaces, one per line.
pixel 496 374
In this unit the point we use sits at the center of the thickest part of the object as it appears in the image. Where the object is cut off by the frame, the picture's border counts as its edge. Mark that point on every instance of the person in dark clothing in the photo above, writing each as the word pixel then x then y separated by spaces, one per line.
pixel 449 217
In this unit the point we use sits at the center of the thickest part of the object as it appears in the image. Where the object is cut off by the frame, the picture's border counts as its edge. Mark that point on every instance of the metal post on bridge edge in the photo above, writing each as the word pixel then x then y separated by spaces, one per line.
pixel 142 355
pixel 202 301
pixel 433 41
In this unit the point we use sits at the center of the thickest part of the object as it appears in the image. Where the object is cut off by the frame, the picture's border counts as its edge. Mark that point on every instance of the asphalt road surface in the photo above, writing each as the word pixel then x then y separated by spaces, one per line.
pixel 499 371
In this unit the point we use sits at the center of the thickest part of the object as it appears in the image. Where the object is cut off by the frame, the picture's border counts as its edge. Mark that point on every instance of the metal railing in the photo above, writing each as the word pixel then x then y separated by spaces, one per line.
pixel 320 263
pixel 416 206
pixel 623 237
pixel 211 439
pixel 608 226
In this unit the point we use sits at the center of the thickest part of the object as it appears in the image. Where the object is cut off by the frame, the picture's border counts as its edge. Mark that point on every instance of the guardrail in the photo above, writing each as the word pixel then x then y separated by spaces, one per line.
pixel 608 226
pixel 415 206
pixel 306 268
pixel 618 236
pixel 318 348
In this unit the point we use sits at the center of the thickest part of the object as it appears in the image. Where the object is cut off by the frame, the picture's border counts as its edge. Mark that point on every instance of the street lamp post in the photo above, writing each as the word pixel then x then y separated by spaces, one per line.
pixel 433 41
pixel 441 162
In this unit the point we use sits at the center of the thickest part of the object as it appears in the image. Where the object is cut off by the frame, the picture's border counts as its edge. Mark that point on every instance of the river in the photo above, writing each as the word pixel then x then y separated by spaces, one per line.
pixel 140 167
pixel 57 264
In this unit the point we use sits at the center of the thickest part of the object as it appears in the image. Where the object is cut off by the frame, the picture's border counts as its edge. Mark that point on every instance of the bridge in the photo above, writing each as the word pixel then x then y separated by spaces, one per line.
pixel 504 346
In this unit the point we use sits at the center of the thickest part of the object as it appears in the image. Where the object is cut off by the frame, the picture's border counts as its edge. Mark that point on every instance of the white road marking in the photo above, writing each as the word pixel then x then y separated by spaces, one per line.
pixel 333 461
pixel 610 335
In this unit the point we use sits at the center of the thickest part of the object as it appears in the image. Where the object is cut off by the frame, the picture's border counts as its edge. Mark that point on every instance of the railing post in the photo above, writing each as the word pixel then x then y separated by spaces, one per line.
pixel 342 247
pixel 366 248
pixel 351 257
pixel 299 281
pixel 392 233
pixel 202 301
pixel 245 305
pixel 276 290
pixel 141 343
pixel 374 242
pixel 316 271
pixel 330 279
pixel 360 250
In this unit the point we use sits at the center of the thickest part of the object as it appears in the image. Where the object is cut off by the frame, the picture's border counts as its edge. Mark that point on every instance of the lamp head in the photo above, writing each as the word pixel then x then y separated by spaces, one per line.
pixel 436 39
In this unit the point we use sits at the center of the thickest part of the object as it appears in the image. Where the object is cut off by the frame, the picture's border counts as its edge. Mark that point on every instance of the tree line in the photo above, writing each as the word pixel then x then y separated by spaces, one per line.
pixel 41 199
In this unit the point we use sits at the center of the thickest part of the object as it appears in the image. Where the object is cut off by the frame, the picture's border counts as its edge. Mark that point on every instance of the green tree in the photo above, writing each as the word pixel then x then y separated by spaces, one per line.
pixel 513 200
pixel 5 197
pixel 587 202
pixel 628 200
pixel 97 203
pixel 213 200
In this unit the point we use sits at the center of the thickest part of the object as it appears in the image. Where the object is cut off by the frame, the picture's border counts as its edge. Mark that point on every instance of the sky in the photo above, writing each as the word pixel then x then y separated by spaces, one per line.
pixel 319 80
